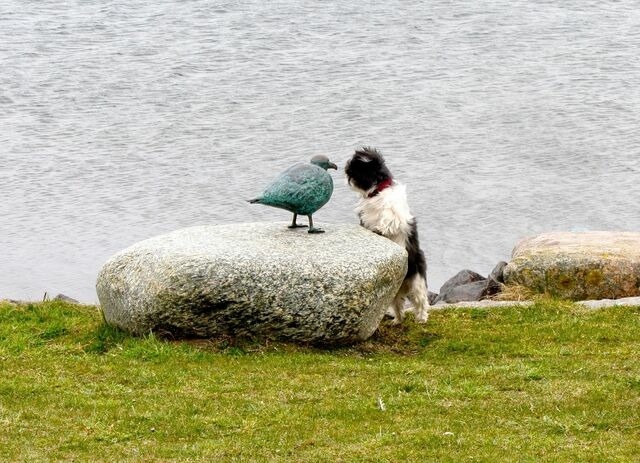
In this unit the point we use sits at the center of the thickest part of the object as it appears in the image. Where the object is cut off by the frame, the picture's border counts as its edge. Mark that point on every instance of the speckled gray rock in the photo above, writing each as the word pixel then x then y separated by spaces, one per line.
pixel 468 285
pixel 578 266
pixel 257 279
pixel 605 303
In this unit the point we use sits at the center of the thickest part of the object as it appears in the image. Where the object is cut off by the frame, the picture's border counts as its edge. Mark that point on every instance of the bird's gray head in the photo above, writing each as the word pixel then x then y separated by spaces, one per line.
pixel 321 160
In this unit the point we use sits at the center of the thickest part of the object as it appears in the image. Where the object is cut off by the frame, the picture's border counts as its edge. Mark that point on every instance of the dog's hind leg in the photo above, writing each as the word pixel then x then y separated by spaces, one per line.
pixel 419 298
pixel 398 303
pixel 398 306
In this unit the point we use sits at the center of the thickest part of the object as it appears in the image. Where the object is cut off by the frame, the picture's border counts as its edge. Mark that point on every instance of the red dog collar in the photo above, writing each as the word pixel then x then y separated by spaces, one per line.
pixel 381 186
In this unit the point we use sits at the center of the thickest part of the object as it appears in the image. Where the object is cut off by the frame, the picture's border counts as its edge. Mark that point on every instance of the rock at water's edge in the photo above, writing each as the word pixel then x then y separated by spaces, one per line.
pixel 578 266
pixel 257 279
pixel 468 285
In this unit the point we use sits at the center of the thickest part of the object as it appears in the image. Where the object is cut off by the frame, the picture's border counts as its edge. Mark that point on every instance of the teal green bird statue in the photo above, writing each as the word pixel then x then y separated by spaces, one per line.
pixel 301 189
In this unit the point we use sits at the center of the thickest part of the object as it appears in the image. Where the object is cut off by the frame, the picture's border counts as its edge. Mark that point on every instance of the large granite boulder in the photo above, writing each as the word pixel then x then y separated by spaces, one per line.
pixel 255 279
pixel 578 266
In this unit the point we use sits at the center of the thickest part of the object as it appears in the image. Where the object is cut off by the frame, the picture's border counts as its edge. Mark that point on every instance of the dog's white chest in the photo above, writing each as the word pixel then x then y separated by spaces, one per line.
pixel 388 214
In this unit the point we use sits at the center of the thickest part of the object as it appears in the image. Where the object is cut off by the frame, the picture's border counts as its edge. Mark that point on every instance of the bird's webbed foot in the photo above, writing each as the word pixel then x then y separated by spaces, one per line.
pixel 313 229
pixel 294 223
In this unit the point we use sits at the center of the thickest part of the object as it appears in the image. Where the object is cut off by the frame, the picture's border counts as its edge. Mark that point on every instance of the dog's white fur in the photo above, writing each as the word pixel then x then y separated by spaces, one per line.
pixel 388 214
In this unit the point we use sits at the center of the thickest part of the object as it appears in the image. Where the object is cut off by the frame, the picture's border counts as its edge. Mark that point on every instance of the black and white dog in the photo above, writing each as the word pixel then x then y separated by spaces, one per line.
pixel 383 209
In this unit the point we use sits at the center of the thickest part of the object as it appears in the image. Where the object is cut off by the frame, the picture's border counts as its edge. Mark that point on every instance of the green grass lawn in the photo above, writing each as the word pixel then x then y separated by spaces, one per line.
pixel 551 382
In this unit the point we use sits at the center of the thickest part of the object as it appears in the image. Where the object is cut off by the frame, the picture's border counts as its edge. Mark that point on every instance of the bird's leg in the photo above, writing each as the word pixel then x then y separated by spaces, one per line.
pixel 293 222
pixel 313 229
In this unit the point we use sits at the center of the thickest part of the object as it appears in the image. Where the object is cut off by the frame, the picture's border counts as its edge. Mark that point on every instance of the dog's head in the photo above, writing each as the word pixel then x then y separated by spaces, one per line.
pixel 366 169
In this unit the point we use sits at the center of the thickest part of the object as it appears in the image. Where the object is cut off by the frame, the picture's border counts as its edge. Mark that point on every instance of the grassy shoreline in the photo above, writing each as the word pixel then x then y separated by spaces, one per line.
pixel 550 382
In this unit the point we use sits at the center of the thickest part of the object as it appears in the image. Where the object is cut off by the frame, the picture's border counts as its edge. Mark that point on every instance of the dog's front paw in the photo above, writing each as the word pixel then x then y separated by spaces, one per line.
pixel 420 315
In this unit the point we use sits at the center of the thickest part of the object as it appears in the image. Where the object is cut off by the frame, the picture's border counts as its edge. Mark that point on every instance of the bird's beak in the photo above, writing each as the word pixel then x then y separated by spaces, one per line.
pixel 333 166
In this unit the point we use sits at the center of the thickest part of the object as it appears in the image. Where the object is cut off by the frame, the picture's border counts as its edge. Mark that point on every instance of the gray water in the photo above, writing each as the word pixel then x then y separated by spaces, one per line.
pixel 121 120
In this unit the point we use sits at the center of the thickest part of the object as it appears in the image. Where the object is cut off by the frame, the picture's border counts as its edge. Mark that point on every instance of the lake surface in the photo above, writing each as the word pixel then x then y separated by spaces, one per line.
pixel 123 120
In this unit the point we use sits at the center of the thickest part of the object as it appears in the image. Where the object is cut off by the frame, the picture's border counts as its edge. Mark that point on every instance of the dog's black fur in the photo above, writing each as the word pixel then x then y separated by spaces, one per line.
pixel 417 261
pixel 367 169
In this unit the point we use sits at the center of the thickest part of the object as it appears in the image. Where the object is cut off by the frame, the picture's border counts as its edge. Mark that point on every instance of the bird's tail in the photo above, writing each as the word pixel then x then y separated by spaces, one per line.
pixel 254 200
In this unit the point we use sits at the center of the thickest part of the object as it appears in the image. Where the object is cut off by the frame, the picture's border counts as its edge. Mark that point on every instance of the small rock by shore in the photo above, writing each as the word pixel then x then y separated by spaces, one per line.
pixel 488 304
pixel 468 285
pixel 59 297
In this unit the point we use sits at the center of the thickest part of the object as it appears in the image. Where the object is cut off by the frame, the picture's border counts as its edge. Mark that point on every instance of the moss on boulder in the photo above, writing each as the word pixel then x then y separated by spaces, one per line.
pixel 578 266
